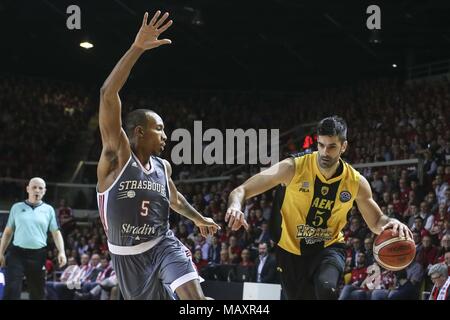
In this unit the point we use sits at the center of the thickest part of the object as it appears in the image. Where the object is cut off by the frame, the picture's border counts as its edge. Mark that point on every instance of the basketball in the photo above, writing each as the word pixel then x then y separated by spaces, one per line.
pixel 393 252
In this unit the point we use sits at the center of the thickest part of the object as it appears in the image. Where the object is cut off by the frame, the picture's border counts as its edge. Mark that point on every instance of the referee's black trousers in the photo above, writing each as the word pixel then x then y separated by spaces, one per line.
pixel 28 262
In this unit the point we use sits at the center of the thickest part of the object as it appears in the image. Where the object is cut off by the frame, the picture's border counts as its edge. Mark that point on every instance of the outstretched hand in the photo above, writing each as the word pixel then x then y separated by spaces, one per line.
pixel 147 37
pixel 207 227
pixel 235 219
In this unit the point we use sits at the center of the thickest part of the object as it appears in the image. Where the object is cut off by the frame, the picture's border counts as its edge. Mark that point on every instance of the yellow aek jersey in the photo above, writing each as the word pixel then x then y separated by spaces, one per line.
pixel 314 210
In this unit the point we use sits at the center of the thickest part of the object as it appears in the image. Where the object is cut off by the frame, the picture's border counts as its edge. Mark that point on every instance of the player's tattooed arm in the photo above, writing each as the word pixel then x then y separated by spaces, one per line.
pixel 116 147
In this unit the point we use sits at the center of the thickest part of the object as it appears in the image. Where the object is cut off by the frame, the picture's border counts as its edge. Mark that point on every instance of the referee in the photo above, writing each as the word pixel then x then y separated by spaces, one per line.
pixel 29 221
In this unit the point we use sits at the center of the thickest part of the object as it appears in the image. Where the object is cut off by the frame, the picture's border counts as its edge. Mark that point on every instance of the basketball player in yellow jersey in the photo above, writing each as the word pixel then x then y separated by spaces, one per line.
pixel 320 189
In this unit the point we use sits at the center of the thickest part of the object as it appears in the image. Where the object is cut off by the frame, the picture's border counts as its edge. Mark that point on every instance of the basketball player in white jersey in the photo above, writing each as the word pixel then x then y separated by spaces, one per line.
pixel 135 190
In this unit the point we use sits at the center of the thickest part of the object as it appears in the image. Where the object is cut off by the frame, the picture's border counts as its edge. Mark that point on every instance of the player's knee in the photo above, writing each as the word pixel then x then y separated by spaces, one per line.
pixel 326 290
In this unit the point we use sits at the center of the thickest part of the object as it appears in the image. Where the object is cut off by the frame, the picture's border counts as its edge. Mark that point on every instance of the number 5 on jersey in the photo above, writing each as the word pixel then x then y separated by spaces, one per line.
pixel 144 210
pixel 318 220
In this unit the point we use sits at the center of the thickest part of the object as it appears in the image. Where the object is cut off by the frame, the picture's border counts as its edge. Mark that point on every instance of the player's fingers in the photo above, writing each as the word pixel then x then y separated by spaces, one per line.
pixel 238 222
pixel 386 226
pixel 212 230
pixel 202 231
pixel 408 234
pixel 395 229
pixel 405 231
pixel 401 231
pixel 246 226
pixel 144 21
pixel 164 27
pixel 227 214
pixel 213 223
pixel 152 22
pixel 161 20
pixel 231 219
pixel 162 42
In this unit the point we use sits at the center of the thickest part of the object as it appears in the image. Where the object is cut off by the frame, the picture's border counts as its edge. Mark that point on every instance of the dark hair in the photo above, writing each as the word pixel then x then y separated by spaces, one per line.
pixel 136 118
pixel 419 218
pixel 266 243
pixel 333 126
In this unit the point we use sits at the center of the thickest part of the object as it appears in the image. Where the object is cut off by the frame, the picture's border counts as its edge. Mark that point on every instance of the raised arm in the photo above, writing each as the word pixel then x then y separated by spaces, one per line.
pixel 179 204
pixel 116 147
pixel 280 173
pixel 371 212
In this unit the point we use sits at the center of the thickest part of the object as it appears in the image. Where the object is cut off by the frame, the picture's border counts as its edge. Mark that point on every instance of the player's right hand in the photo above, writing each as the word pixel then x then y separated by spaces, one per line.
pixel 207 226
pixel 2 260
pixel 235 219
pixel 147 37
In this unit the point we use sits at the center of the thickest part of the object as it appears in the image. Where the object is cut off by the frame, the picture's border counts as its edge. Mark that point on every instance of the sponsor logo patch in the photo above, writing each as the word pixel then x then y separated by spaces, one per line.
pixel 345 196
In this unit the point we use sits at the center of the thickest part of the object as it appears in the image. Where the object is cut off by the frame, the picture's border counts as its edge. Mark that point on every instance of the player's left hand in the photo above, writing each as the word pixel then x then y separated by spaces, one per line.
pixel 62 260
pixel 147 37
pixel 399 228
pixel 207 226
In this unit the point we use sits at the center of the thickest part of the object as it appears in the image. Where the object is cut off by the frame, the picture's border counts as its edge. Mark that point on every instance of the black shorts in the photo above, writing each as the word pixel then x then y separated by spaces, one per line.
pixel 301 275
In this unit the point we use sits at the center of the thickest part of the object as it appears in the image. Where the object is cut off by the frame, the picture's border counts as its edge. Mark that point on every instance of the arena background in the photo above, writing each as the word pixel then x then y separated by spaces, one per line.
pixel 234 64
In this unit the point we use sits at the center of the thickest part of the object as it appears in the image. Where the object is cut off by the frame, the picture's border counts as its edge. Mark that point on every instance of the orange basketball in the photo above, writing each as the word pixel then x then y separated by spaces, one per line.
pixel 392 252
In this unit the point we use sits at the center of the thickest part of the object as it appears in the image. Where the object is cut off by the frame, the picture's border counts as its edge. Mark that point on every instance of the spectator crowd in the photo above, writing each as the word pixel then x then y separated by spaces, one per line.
pixel 387 119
